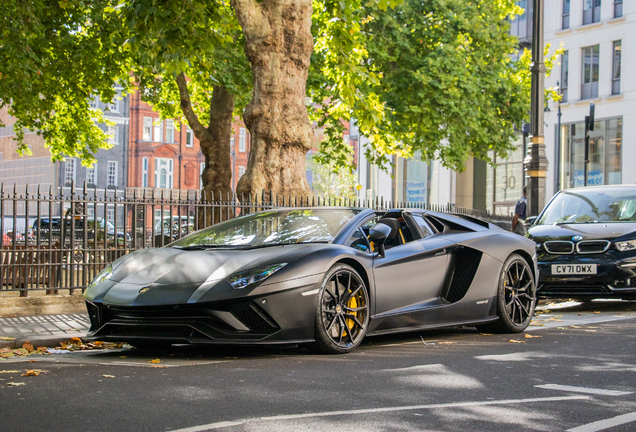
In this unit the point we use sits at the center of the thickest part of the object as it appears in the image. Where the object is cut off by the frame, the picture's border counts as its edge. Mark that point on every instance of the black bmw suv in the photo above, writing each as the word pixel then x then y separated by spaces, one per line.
pixel 586 244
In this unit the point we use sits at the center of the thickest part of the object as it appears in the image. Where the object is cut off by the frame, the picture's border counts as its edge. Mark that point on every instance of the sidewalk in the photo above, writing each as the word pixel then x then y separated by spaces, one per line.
pixel 43 320
pixel 42 330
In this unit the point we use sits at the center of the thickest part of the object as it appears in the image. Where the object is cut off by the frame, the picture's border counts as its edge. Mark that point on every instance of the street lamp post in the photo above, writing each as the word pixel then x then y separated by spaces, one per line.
pixel 557 153
pixel 536 163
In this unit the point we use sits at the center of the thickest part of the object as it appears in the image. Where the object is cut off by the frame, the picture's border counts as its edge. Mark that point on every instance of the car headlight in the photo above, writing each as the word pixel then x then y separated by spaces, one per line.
pixel 102 276
pixel 625 245
pixel 253 276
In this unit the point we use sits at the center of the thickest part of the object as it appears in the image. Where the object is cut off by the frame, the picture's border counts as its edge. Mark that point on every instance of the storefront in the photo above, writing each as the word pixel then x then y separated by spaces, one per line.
pixel 504 181
pixel 605 153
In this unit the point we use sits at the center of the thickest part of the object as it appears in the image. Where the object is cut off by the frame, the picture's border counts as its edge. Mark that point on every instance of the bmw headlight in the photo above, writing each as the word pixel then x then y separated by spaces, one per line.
pixel 102 276
pixel 627 245
pixel 253 276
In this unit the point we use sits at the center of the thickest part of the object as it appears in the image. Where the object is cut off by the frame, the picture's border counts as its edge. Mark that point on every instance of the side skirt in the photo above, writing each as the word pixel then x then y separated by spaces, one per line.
pixel 432 326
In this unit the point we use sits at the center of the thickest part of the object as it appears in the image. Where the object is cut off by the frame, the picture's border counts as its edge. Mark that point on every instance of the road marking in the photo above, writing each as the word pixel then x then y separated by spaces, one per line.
pixel 587 390
pixel 224 424
pixel 605 424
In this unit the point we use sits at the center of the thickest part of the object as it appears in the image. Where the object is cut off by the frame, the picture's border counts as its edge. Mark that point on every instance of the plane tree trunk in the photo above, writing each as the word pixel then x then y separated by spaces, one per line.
pixel 278 44
pixel 214 140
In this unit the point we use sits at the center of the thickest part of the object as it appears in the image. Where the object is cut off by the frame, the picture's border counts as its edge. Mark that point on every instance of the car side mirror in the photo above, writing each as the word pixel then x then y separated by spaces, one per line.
pixel 529 221
pixel 378 234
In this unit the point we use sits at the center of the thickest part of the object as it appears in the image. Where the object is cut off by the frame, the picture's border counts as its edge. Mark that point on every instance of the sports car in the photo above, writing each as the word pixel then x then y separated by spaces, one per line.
pixel 586 244
pixel 325 277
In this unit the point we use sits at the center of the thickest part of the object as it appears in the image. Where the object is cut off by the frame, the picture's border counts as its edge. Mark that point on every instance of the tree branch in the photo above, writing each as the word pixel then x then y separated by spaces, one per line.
pixel 186 106
pixel 250 16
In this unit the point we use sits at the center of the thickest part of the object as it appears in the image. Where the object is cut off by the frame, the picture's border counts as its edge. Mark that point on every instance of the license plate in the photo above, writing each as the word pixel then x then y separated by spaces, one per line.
pixel 573 269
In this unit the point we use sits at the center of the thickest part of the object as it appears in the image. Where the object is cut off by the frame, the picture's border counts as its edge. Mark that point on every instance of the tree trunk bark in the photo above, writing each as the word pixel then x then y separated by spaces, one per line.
pixel 278 45
pixel 215 145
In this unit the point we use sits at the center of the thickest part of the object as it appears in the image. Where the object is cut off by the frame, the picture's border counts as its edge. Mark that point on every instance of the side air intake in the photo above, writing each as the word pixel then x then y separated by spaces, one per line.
pixel 464 265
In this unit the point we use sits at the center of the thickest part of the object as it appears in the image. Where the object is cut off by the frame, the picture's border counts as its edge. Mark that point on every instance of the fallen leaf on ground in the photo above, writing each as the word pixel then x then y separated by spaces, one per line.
pixel 76 339
pixel 543 311
pixel 108 376
pixel 516 341
pixel 31 372
pixel 575 326
pixel 28 346
pixel 529 336
pixel 32 361
pixel 154 361
pixel 446 343
pixel 123 356
pixel 486 334
pixel 597 312
pixel 534 323
pixel 8 371
pixel 554 319
pixel 158 366
pixel 6 338
pixel 15 383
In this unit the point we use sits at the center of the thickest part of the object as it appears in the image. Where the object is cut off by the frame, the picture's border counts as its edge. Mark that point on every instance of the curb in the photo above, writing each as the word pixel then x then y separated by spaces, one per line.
pixel 38 341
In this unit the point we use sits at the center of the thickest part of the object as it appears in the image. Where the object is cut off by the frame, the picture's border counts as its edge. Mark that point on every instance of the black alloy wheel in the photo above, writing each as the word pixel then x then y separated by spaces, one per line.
pixel 516 297
pixel 342 313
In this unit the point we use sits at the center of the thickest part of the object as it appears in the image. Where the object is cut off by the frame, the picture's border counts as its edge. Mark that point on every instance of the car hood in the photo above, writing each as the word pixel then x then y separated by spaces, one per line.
pixel 174 276
pixel 589 231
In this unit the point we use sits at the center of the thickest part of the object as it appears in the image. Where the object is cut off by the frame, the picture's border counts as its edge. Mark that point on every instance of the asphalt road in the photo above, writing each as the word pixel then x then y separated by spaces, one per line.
pixel 577 373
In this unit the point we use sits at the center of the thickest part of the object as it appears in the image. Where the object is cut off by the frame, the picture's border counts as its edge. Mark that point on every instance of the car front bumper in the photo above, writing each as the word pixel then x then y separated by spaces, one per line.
pixel 615 276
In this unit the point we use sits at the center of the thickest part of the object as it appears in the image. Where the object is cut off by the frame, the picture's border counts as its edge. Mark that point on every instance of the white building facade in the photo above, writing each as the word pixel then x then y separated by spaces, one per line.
pixel 599 38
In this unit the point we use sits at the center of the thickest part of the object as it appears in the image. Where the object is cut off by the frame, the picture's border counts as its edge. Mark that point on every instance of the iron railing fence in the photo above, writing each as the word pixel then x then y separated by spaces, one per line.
pixel 61 239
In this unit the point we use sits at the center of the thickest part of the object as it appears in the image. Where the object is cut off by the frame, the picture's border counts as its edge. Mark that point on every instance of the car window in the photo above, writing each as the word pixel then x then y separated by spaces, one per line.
pixel 572 207
pixel 358 241
pixel 425 229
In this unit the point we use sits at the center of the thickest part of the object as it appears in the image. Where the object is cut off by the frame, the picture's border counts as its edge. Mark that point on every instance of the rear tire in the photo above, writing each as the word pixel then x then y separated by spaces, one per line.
pixel 516 297
pixel 342 311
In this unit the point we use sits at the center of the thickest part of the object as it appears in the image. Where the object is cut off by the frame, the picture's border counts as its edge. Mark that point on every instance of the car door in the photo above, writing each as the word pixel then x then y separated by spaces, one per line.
pixel 409 278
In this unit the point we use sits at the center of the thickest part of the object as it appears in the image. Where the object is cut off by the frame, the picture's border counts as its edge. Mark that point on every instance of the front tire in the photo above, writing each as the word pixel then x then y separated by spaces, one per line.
pixel 342 312
pixel 516 297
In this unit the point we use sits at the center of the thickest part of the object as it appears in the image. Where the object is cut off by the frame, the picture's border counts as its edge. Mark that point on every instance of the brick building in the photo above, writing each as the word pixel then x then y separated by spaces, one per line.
pixel 165 154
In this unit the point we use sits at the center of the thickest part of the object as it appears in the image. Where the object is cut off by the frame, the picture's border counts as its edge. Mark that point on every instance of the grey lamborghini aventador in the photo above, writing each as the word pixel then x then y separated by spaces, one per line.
pixel 323 276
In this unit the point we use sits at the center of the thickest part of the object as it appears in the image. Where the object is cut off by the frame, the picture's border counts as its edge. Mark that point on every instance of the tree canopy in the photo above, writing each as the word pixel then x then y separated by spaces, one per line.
pixel 437 76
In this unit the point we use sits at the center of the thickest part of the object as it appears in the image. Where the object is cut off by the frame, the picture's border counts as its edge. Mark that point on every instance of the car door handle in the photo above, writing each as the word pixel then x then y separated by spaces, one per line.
pixel 440 253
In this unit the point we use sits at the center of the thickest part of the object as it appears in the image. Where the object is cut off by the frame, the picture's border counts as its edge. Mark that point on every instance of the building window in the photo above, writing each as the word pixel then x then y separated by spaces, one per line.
pixel 69 171
pixel 90 212
pixel 189 138
pixel 114 105
pixel 565 19
pixel 589 86
pixel 616 68
pixel 144 172
pixel 202 167
pixel 147 129
pixel 111 174
pixel 164 173
pixel 113 134
pixel 618 8
pixel 169 131
pixel 591 11
pixel 91 174
pixel 93 101
pixel 565 57
pixel 519 25
pixel 110 214
pixel 504 182
pixel 242 140
pixel 241 171
pixel 604 153
pixel 158 129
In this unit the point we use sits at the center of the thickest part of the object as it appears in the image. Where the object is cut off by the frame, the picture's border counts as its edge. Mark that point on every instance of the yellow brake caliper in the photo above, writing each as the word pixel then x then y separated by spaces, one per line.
pixel 351 304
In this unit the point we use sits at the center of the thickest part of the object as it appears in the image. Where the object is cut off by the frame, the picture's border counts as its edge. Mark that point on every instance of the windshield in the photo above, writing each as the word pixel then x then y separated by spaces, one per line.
pixel 591 206
pixel 272 228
